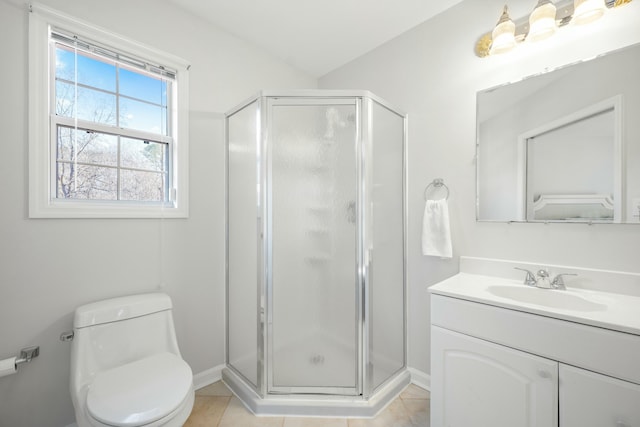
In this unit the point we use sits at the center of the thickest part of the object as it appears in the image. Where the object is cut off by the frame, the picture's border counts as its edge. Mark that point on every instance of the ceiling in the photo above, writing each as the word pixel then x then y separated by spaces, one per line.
pixel 316 36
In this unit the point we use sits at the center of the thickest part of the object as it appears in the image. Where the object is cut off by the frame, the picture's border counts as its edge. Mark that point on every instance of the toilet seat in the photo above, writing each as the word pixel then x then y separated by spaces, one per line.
pixel 141 392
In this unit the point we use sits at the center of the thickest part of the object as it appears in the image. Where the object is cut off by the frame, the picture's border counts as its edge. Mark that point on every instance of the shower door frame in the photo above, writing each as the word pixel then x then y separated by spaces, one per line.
pixel 265 371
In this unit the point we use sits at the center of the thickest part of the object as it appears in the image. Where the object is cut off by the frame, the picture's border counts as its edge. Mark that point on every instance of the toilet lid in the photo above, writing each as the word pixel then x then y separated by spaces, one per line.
pixel 140 392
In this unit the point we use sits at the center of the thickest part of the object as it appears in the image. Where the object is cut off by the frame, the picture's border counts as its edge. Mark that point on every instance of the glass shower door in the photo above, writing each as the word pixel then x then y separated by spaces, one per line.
pixel 313 279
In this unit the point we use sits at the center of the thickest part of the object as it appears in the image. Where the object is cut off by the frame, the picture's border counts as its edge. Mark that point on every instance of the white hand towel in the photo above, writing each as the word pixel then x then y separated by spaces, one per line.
pixel 436 232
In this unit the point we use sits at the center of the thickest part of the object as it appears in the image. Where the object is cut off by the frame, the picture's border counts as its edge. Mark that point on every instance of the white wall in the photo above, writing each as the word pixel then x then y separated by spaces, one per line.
pixel 49 267
pixel 432 73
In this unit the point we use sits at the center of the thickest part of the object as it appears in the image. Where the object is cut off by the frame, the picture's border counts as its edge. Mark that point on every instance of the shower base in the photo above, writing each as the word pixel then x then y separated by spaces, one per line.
pixel 308 405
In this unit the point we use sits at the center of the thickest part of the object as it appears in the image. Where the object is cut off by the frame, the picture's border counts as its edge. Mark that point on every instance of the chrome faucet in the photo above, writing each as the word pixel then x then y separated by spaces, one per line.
pixel 541 279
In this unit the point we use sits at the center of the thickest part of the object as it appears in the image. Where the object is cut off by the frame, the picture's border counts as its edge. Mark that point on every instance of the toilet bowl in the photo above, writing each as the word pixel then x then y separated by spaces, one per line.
pixel 126 368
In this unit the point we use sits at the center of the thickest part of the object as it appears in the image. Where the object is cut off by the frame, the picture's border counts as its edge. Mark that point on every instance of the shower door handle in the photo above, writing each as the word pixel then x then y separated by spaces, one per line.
pixel 351 212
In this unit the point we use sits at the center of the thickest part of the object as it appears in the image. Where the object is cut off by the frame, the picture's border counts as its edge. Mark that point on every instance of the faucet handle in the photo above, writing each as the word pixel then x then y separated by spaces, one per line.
pixel 530 278
pixel 558 282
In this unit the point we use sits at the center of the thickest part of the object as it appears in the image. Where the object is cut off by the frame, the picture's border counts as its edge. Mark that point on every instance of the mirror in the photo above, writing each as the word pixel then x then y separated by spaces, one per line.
pixel 563 146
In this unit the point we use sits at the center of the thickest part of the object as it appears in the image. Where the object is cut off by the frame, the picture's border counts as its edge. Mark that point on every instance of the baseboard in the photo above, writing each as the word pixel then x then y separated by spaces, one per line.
pixel 421 379
pixel 210 376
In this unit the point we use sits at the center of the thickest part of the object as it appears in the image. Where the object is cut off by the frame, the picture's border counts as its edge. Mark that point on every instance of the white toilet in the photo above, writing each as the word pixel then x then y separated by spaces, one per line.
pixel 126 368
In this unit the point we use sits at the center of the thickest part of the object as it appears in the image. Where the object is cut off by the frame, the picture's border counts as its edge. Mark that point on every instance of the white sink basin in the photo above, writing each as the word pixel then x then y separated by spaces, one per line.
pixel 557 299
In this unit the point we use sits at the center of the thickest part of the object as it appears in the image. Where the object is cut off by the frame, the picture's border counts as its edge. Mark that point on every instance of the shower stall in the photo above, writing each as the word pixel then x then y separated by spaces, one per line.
pixel 316 310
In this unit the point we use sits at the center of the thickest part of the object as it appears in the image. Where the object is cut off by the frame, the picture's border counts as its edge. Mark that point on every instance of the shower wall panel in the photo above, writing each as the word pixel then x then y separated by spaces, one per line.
pixel 386 281
pixel 242 242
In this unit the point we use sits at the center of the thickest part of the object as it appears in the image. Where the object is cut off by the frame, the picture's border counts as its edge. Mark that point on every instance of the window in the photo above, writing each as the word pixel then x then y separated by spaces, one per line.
pixel 108 124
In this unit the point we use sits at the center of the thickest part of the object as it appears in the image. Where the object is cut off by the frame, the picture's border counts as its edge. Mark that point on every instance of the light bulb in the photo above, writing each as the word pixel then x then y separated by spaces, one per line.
pixel 503 35
pixel 586 11
pixel 542 21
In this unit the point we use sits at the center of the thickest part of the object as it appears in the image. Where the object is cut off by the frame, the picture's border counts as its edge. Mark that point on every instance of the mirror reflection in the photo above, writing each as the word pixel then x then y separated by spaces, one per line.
pixel 563 146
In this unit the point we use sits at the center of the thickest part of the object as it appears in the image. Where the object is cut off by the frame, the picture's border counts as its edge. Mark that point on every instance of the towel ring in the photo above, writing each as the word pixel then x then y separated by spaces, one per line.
pixel 436 183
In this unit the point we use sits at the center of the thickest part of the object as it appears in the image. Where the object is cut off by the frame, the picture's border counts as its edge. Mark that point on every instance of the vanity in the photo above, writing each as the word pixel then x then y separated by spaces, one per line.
pixel 505 354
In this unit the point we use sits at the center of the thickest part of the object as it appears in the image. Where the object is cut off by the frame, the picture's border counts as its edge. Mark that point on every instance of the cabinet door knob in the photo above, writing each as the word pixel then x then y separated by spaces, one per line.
pixel 547 374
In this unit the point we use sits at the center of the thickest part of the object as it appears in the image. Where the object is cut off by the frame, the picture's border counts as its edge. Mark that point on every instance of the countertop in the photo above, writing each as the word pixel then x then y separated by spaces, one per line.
pixel 618 312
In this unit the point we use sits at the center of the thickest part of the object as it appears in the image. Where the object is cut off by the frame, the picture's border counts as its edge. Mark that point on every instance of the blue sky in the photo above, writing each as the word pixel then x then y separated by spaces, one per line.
pixel 103 75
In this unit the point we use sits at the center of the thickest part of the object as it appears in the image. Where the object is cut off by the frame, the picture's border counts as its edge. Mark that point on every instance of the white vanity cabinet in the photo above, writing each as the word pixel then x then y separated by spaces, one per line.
pixel 493 366
pixel 483 384
pixel 588 399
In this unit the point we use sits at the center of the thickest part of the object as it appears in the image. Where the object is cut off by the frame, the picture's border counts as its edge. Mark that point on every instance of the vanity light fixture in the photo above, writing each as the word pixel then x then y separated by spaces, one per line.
pixel 543 22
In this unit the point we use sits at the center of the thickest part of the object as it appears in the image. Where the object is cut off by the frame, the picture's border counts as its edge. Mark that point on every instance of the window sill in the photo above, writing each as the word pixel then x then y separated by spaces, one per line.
pixel 70 209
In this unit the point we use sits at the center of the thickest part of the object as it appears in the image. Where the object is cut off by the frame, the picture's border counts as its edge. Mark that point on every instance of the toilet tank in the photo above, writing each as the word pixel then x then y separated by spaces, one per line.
pixel 118 309
pixel 121 330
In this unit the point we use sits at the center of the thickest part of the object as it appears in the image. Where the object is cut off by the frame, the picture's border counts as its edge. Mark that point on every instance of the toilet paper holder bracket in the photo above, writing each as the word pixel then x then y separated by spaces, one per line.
pixel 26 354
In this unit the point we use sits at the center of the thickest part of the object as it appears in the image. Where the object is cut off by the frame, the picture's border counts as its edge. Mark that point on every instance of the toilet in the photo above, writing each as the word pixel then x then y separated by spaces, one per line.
pixel 126 368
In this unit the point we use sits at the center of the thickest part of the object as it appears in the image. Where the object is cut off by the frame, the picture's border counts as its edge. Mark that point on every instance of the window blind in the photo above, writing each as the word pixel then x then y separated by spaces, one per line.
pixel 74 41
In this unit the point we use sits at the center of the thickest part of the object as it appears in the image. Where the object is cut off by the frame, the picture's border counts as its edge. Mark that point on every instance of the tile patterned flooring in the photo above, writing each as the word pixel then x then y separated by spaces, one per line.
pixel 216 406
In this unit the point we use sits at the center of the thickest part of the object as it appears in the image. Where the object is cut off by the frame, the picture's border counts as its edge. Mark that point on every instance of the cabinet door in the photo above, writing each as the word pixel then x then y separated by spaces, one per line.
pixel 588 399
pixel 481 384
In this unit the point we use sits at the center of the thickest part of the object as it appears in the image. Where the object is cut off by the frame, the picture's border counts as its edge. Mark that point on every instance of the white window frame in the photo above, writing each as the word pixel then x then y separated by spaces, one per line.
pixel 43 202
